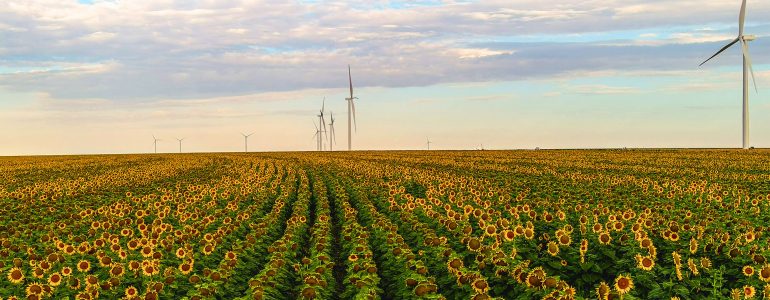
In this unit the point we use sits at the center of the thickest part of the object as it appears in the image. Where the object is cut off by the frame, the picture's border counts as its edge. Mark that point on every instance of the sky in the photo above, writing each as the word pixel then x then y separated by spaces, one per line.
pixel 104 76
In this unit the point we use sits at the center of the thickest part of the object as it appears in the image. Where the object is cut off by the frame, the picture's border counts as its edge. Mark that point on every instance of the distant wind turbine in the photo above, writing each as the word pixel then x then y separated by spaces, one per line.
pixel 332 137
pixel 180 144
pixel 155 143
pixel 246 141
pixel 744 39
pixel 317 136
pixel 321 125
pixel 351 111
pixel 429 142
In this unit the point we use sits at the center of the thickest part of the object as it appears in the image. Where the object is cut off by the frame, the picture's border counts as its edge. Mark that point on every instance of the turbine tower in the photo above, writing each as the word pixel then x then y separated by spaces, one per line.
pixel 321 125
pixel 429 142
pixel 744 40
pixel 331 136
pixel 351 111
pixel 180 144
pixel 155 143
pixel 246 141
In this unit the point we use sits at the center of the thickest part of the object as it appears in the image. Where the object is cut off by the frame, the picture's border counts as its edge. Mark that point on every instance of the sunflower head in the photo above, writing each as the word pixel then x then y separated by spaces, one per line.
pixel 603 291
pixel 645 263
pixel 749 292
pixel 15 275
pixel 623 284
pixel 84 266
pixel 605 238
pixel 553 248
pixel 748 271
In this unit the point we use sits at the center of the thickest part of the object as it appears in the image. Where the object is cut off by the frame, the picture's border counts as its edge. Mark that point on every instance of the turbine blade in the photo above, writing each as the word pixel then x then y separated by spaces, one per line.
pixel 742 18
pixel 722 50
pixel 745 47
pixel 350 80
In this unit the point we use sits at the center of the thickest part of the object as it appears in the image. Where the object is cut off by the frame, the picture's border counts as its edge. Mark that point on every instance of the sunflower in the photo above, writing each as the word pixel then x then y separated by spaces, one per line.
pixel 534 281
pixel 645 263
pixel 677 258
pixel 623 284
pixel 509 235
pixel 529 233
pixel 603 291
pixel 185 268
pixel 749 292
pixel 705 263
pixel 693 246
pixel 674 236
pixel 208 249
pixel 54 279
pixel 131 292
pixel 764 273
pixel 15 275
pixel 748 271
pixel 693 268
pixel 117 270
pixel 84 266
pixel 34 289
pixel 66 271
pixel 231 255
pixel 553 248
pixel 605 238
pixel 181 253
pixel 480 285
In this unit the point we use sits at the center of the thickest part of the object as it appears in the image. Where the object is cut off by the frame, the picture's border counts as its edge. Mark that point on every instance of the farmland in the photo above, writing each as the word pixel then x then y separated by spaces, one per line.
pixel 582 224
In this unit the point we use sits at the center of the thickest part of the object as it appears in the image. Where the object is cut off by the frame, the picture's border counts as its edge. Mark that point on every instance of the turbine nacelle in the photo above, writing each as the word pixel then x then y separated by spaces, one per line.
pixel 749 37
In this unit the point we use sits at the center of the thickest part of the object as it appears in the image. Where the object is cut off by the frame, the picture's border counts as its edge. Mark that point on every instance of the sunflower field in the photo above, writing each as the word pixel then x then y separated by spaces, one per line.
pixel 571 224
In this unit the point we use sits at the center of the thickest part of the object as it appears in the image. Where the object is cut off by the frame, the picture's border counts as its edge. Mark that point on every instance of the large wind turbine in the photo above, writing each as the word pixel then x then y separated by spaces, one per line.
pixel 429 142
pixel 744 39
pixel 351 111
pixel 246 141
pixel 321 125
pixel 155 143
pixel 180 144
pixel 331 136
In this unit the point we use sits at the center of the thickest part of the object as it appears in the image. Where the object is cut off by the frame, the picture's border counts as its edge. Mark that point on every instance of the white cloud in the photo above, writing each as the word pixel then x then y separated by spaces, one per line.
pixel 98 37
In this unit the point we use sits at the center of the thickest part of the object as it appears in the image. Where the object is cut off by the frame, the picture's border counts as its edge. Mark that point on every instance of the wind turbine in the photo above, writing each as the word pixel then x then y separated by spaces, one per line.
pixel 429 142
pixel 317 136
pixel 744 39
pixel 180 144
pixel 155 143
pixel 351 109
pixel 332 137
pixel 322 125
pixel 246 141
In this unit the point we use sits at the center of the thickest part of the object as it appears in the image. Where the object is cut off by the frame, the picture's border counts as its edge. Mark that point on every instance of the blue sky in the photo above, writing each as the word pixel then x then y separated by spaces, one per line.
pixel 94 76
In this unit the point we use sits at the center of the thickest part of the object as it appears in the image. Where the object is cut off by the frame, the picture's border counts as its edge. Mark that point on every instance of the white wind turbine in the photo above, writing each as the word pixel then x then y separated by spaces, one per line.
pixel 180 144
pixel 429 142
pixel 331 136
pixel 321 125
pixel 155 143
pixel 246 141
pixel 317 136
pixel 744 39
pixel 351 111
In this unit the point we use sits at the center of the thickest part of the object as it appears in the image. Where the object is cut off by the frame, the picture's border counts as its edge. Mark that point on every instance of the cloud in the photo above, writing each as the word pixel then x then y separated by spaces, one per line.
pixel 144 50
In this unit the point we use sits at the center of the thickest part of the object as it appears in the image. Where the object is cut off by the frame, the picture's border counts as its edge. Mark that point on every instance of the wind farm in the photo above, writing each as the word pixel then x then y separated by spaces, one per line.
pixel 507 150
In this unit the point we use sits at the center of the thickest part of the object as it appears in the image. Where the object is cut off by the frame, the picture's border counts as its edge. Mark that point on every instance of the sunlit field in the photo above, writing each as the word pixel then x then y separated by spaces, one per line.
pixel 604 224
